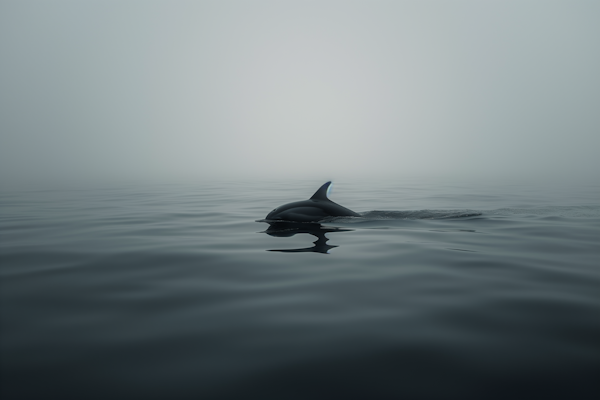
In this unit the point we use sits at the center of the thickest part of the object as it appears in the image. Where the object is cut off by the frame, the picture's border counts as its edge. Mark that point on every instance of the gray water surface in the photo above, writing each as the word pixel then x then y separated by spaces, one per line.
pixel 175 291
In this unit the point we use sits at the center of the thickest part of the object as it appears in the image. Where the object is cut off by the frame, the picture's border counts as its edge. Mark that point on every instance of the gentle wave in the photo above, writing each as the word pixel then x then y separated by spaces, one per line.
pixel 418 214
pixel 554 211
pixel 173 293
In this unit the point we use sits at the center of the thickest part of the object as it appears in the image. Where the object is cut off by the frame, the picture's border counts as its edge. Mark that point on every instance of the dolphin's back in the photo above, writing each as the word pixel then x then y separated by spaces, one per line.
pixel 314 209
pixel 299 211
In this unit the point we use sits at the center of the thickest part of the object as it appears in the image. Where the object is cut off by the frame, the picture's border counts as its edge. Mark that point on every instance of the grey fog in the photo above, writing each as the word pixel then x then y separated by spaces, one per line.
pixel 304 89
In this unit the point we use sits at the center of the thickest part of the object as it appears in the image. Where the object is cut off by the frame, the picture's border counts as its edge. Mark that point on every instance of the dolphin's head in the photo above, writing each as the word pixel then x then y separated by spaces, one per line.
pixel 274 215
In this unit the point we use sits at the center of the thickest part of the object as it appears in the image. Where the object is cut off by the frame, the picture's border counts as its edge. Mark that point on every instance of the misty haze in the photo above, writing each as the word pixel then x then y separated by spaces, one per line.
pixel 163 90
pixel 168 229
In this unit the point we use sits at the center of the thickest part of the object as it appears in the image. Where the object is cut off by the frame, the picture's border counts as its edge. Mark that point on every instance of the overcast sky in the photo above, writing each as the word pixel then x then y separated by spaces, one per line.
pixel 262 89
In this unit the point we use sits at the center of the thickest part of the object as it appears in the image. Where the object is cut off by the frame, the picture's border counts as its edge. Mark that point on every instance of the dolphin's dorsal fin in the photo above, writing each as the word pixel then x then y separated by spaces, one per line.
pixel 321 194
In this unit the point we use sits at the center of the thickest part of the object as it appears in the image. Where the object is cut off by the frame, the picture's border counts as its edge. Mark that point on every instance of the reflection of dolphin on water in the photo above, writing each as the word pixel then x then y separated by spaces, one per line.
pixel 314 209
pixel 287 229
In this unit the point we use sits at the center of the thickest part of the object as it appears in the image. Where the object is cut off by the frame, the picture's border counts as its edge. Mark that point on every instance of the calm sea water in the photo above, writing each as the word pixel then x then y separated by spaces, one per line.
pixel 175 291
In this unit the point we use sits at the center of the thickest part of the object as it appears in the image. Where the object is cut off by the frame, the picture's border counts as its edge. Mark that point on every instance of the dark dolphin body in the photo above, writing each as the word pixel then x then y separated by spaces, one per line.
pixel 312 210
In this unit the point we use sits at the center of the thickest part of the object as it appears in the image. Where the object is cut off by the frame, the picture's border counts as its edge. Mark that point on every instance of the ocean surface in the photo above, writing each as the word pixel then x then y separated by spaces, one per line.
pixel 175 291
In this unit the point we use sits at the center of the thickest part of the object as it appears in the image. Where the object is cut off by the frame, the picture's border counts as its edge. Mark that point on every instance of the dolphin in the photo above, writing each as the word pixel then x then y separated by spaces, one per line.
pixel 314 209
